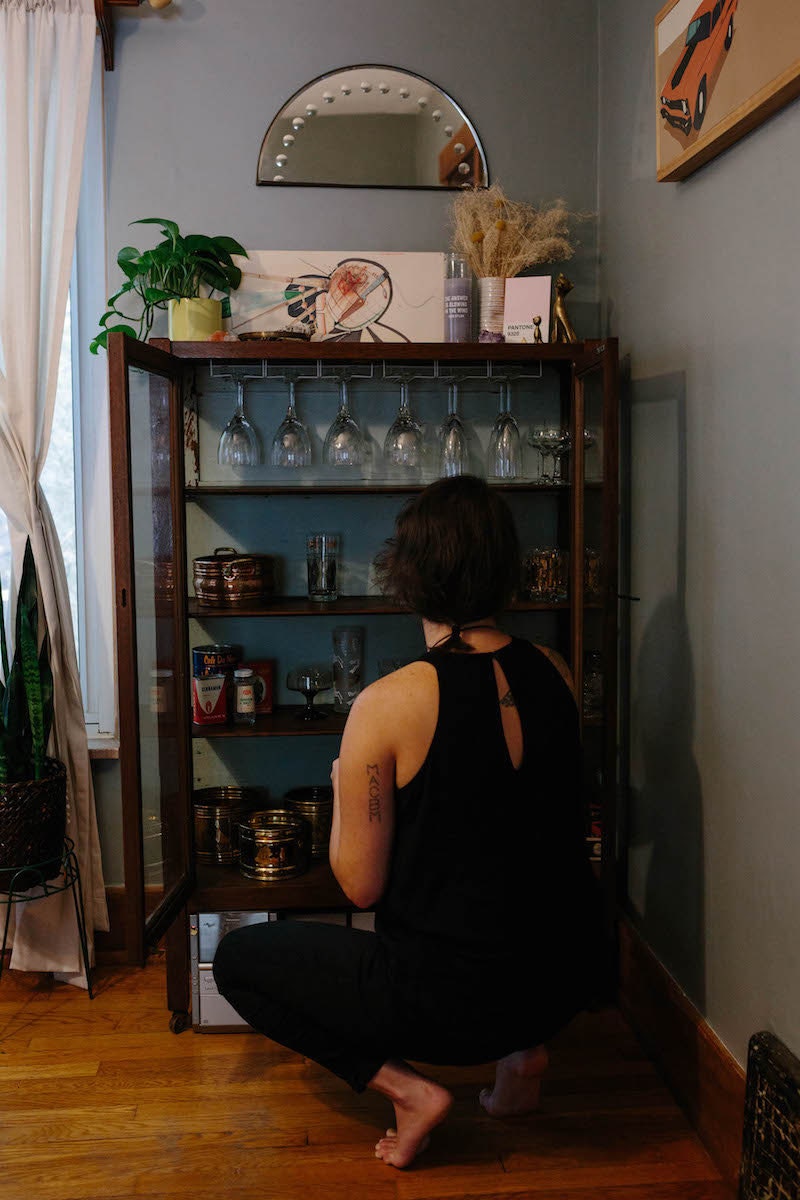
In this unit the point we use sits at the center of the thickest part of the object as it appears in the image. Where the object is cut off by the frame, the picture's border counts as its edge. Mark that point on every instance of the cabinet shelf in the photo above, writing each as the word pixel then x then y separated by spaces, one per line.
pixel 225 889
pixel 327 487
pixel 301 606
pixel 285 721
pixel 558 353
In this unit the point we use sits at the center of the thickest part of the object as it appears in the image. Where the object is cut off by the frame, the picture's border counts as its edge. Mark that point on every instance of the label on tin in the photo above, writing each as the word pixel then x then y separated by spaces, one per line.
pixel 209 700
pixel 209 660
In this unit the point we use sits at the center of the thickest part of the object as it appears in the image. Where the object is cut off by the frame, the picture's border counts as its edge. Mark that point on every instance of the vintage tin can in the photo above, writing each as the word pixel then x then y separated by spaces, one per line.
pixel 275 844
pixel 227 577
pixel 217 814
pixel 315 804
pixel 215 659
pixel 210 700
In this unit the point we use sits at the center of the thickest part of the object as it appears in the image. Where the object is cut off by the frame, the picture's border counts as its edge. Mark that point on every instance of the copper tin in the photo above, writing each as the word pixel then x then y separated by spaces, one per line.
pixel 217 814
pixel 226 577
pixel 316 805
pixel 274 844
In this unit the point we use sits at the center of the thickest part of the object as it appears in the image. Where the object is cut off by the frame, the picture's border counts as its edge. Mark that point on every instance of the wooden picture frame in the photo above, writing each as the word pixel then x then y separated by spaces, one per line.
pixel 721 68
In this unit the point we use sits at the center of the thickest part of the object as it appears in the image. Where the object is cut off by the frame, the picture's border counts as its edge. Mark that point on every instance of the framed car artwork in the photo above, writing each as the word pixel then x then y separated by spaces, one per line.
pixel 722 67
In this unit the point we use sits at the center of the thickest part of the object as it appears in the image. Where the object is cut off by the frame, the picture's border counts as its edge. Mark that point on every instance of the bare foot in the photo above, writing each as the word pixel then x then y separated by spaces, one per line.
pixel 517 1083
pixel 419 1106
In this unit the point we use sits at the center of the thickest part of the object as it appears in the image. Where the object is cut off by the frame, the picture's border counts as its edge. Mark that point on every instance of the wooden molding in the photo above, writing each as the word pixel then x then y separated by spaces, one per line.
pixel 105 26
pixel 706 1080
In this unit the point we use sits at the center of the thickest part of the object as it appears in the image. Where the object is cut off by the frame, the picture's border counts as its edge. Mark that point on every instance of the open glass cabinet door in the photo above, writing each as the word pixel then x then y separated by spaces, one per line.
pixel 149 558
pixel 594 437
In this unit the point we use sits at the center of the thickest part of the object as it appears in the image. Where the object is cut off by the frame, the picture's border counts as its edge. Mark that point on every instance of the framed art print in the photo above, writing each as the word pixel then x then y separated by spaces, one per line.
pixel 337 295
pixel 722 68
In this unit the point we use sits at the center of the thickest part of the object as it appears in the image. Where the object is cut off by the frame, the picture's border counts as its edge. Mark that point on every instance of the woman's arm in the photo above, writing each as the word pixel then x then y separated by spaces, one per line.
pixel 363 798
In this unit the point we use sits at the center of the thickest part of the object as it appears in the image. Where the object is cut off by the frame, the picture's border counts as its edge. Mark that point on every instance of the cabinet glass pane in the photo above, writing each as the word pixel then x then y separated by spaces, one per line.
pixel 594 593
pixel 156 644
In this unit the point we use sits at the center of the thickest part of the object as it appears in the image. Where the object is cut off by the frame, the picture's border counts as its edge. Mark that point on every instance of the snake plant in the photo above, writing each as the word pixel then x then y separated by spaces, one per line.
pixel 26 690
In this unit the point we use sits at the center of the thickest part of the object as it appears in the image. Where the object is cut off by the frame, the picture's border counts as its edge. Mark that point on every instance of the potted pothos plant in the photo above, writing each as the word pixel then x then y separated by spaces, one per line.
pixel 33 787
pixel 181 274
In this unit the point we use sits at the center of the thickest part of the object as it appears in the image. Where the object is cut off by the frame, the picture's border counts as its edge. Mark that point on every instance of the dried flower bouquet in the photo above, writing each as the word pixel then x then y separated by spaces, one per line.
pixel 501 237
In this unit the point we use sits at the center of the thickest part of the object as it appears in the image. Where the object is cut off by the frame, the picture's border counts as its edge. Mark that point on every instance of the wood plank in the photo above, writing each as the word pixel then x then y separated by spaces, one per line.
pixel 236 1116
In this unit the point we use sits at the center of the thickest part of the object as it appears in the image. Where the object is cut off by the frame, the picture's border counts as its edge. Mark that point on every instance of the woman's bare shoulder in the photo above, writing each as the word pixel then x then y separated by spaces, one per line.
pixel 559 663
pixel 405 682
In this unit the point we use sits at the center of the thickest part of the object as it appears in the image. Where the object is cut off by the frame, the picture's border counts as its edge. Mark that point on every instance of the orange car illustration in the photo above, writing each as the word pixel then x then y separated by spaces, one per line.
pixel 708 37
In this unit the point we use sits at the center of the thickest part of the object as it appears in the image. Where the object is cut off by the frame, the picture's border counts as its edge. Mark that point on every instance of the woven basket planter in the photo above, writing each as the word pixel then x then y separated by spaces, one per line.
pixel 33 821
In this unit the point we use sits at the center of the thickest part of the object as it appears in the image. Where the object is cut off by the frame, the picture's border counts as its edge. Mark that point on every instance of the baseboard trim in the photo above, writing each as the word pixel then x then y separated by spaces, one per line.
pixel 706 1080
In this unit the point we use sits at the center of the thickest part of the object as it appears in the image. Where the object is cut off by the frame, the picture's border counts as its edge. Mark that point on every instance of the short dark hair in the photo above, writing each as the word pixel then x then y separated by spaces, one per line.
pixel 455 554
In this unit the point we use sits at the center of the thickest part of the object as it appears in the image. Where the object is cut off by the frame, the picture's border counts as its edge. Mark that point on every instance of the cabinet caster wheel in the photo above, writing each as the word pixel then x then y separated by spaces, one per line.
pixel 178 1022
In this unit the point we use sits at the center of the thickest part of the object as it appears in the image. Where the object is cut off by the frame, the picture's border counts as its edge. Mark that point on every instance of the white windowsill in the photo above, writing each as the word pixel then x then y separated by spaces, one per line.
pixel 103 746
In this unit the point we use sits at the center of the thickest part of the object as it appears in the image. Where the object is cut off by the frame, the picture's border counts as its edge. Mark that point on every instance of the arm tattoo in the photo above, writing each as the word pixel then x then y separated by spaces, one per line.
pixel 374 786
pixel 507 701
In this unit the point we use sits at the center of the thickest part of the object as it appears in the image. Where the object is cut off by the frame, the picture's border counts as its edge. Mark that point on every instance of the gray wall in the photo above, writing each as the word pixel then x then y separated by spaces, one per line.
pixel 701 280
pixel 195 88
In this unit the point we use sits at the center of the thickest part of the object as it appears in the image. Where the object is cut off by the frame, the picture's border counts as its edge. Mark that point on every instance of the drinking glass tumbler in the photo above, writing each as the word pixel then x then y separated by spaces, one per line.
pixel 348 655
pixel 322 552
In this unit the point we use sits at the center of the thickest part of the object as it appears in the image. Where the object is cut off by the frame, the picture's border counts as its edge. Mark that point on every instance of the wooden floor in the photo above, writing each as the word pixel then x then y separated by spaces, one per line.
pixel 99 1099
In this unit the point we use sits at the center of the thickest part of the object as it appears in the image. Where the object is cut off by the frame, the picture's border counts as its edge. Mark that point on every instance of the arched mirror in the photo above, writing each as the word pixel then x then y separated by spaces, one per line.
pixel 372 126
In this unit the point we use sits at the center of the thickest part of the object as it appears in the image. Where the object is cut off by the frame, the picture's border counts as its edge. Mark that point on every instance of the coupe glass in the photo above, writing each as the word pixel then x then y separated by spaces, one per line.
pixel 404 443
pixel 291 445
pixel 562 444
pixel 504 457
pixel 453 450
pixel 544 439
pixel 309 680
pixel 344 442
pixel 239 445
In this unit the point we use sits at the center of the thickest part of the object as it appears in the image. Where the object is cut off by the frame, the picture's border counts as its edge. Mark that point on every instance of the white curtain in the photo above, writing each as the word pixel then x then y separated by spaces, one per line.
pixel 46 51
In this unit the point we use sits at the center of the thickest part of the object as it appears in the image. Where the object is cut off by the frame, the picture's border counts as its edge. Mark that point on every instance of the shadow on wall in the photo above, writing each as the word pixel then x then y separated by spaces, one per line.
pixel 665 804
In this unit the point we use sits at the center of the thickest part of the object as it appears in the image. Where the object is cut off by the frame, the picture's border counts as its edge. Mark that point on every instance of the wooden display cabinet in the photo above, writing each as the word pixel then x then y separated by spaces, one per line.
pixel 167 412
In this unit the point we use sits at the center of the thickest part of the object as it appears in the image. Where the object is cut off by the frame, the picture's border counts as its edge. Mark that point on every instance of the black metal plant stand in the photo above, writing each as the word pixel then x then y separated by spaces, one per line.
pixel 42 880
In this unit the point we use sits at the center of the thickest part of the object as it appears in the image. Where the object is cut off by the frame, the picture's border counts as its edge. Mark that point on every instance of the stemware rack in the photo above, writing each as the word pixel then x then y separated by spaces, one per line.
pixel 167 409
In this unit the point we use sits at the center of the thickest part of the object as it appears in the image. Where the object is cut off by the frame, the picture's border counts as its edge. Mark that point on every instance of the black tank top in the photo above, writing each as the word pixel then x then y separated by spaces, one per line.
pixel 487 858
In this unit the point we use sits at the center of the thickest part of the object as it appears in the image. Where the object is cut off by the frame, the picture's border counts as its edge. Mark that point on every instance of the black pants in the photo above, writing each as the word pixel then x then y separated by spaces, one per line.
pixel 349 1001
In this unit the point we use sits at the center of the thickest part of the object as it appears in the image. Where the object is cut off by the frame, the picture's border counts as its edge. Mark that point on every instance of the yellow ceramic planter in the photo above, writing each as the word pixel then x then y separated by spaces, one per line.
pixel 193 320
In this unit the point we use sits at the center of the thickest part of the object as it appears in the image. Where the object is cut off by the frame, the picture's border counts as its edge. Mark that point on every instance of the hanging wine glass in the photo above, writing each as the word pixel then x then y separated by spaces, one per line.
pixel 239 445
pixel 453 449
pixel 291 445
pixel 309 680
pixel 504 457
pixel 344 442
pixel 404 442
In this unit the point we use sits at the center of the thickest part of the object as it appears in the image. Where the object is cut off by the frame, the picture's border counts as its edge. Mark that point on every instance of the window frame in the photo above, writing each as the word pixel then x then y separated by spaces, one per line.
pixel 94 537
